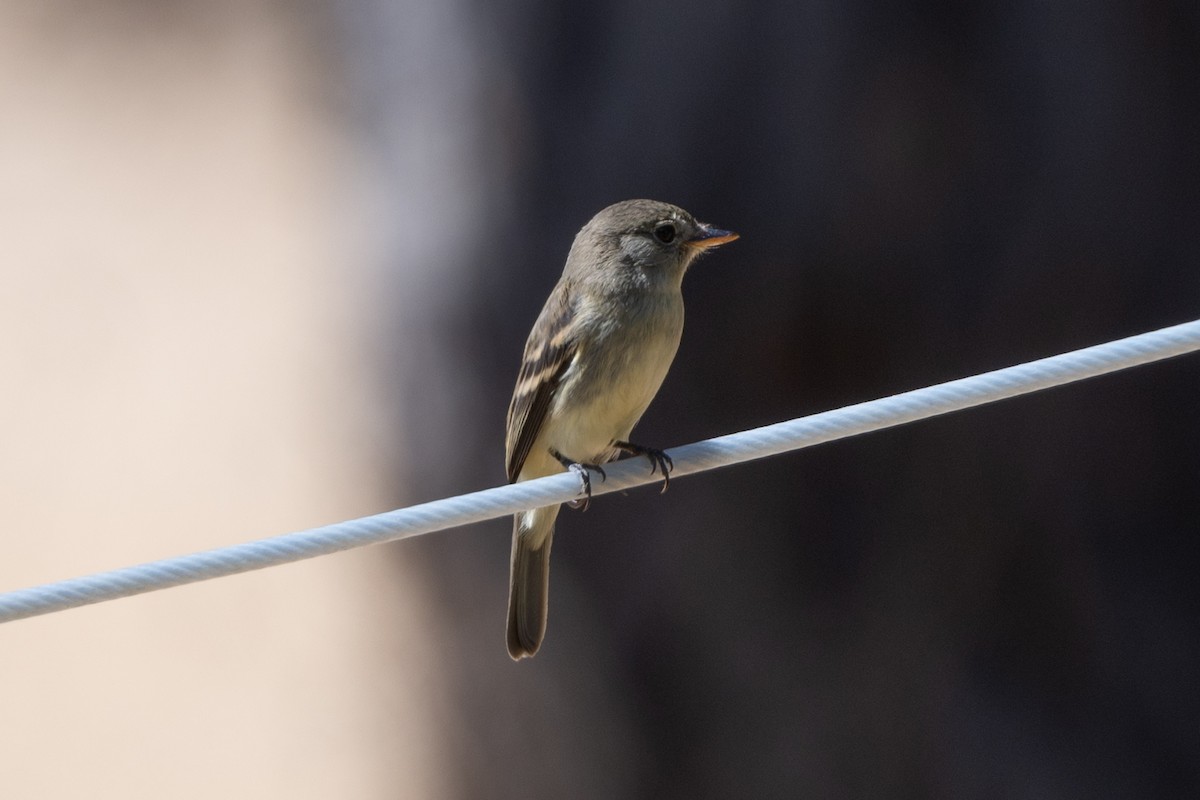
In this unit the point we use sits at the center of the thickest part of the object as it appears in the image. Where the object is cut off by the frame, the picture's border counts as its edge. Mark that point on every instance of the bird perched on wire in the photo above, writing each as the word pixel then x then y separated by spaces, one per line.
pixel 594 360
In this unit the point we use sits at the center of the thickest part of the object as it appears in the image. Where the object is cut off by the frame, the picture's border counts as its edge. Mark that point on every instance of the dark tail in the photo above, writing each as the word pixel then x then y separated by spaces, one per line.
pixel 529 589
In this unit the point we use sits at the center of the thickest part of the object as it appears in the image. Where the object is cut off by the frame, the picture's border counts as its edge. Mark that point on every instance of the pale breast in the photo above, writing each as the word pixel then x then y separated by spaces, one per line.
pixel 610 385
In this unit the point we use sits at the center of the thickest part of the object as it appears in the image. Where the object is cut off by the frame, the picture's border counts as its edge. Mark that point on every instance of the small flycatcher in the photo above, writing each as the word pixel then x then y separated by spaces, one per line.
pixel 594 360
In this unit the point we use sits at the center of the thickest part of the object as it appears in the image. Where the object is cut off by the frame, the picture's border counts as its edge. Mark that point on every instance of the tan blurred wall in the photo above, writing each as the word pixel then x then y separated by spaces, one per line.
pixel 183 368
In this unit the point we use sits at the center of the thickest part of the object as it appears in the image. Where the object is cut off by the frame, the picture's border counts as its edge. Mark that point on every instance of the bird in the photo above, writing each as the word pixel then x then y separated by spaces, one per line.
pixel 594 360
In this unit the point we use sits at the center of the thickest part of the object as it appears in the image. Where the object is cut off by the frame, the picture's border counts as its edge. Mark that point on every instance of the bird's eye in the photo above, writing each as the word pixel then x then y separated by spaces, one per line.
pixel 665 232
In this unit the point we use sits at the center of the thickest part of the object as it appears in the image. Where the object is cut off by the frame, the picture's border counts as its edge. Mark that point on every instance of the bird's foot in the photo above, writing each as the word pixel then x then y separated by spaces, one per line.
pixel 659 460
pixel 584 471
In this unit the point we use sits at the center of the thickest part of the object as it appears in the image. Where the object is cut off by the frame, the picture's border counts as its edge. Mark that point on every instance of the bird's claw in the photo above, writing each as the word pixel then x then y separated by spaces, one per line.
pixel 585 479
pixel 584 471
pixel 665 465
pixel 659 461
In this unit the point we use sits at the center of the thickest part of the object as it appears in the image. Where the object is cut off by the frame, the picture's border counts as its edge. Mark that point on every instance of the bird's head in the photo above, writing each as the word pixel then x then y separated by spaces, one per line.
pixel 646 241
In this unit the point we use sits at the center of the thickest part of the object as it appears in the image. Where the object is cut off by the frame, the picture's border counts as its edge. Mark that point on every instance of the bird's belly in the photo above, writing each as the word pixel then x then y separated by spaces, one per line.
pixel 586 434
pixel 597 407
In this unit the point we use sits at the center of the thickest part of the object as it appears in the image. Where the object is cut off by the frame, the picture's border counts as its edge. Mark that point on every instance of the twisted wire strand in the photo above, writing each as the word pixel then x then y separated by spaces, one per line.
pixel 501 501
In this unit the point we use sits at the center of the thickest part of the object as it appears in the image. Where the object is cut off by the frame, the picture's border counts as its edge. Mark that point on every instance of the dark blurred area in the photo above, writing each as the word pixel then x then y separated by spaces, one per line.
pixel 998 603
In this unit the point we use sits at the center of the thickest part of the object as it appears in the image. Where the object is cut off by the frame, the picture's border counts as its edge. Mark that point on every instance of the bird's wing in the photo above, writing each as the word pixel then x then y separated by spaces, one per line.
pixel 548 353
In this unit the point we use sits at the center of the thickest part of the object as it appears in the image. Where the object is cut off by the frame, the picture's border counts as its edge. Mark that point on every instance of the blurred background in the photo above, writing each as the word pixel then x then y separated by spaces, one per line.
pixel 267 266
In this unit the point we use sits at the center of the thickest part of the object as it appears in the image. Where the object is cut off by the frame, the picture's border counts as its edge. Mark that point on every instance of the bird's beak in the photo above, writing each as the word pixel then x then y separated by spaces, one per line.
pixel 707 236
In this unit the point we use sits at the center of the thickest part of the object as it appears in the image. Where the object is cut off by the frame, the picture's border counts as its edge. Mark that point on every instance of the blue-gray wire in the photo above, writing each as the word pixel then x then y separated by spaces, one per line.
pixel 505 500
